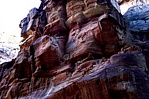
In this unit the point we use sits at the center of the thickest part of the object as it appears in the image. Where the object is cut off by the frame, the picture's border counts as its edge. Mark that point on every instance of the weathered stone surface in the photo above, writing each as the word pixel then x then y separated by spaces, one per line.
pixel 22 65
pixel 57 27
pixel 82 41
pixel 55 10
pixel 83 11
pixel 110 80
pixel 83 52
pixel 48 51
pixel 138 21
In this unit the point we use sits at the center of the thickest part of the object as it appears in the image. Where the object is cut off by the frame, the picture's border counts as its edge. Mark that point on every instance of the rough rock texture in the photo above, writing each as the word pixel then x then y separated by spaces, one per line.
pixel 80 50
pixel 138 21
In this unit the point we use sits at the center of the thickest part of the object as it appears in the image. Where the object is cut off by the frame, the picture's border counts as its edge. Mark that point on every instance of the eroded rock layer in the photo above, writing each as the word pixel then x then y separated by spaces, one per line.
pixel 76 49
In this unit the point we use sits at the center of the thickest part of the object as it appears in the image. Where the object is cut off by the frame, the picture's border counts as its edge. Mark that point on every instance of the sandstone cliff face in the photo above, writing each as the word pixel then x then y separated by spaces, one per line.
pixel 77 49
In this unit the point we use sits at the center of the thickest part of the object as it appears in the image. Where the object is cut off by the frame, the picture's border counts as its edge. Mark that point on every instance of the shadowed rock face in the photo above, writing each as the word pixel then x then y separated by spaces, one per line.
pixel 76 49
pixel 138 21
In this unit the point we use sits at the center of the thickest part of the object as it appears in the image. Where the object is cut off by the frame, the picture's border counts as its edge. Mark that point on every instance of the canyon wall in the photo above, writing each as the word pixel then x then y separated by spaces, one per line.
pixel 77 49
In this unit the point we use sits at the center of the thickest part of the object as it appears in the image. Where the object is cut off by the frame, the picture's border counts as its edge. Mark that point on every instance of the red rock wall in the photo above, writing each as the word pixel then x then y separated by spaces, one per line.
pixel 82 52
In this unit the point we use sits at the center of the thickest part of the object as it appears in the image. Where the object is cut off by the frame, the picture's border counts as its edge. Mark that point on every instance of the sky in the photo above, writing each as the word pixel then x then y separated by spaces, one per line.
pixel 12 12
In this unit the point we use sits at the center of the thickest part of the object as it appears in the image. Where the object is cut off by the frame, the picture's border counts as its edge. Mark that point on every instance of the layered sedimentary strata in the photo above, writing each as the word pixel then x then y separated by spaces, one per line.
pixel 76 49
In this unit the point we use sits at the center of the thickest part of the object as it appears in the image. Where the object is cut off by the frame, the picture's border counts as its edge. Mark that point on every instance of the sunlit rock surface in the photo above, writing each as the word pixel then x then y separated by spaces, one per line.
pixel 126 4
